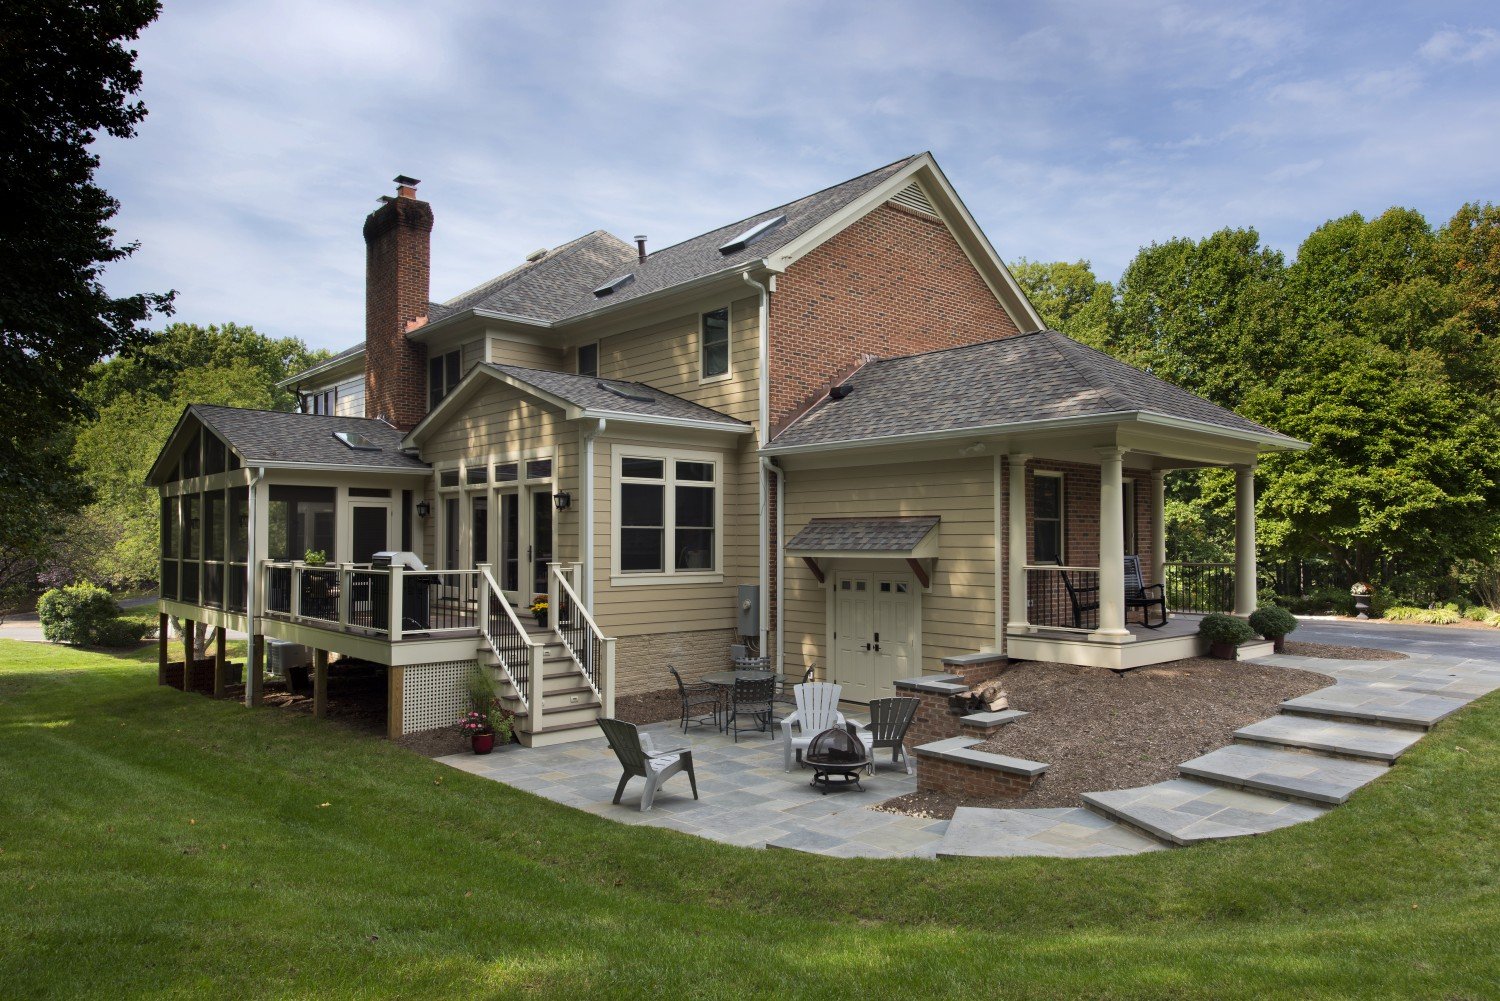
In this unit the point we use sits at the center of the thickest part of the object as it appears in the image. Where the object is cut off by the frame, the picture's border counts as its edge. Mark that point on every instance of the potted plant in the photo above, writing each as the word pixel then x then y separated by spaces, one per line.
pixel 476 725
pixel 1361 592
pixel 539 609
pixel 1273 622
pixel 315 558
pixel 1224 633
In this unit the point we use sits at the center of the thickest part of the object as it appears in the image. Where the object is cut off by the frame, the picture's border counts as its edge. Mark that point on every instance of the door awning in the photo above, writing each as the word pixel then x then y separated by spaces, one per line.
pixel 910 539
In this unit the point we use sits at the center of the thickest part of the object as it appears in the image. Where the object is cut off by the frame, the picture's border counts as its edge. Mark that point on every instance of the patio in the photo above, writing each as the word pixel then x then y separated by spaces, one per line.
pixel 747 798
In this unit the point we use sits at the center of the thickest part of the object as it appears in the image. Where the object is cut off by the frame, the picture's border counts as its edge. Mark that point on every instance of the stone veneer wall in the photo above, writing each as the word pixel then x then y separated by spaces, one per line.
pixel 641 661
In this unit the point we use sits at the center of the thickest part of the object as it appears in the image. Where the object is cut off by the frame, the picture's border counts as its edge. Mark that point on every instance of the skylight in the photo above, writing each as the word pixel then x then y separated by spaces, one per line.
pixel 356 441
pixel 752 234
pixel 627 391
pixel 614 286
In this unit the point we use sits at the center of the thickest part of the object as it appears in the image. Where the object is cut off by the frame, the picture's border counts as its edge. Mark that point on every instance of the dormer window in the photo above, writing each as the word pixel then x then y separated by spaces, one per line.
pixel 714 340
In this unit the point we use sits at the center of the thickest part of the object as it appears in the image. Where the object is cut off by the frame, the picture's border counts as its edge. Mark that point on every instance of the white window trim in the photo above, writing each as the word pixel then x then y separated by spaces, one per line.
pixel 620 578
pixel 1062 511
pixel 598 355
pixel 728 372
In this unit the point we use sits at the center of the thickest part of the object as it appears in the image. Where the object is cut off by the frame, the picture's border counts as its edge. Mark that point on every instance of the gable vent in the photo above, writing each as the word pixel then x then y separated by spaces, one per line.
pixel 913 198
pixel 614 286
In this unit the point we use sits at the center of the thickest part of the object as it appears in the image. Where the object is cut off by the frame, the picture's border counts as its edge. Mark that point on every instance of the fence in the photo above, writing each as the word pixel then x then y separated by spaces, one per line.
pixel 1199 587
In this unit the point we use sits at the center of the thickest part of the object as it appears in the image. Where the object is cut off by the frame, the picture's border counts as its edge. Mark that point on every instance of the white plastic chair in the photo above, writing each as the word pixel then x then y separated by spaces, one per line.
pixel 817 710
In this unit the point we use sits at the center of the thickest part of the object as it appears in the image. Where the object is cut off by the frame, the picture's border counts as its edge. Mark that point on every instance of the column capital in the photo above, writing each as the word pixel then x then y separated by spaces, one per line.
pixel 1018 459
pixel 1158 475
pixel 1243 468
pixel 1111 452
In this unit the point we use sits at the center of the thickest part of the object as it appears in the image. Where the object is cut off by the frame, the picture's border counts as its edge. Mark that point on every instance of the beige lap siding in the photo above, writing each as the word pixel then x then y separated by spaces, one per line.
pixel 958 612
pixel 505 351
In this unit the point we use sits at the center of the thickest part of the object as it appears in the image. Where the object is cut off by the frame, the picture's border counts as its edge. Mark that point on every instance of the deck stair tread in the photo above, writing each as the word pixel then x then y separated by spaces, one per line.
pixel 1353 740
pixel 1318 778
pixel 1071 832
pixel 1185 812
pixel 1376 703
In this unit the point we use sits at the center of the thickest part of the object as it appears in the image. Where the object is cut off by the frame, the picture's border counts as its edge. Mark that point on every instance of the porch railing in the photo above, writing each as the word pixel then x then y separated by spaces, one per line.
pixel 1060 597
pixel 380 601
pixel 591 650
pixel 1199 587
pixel 520 657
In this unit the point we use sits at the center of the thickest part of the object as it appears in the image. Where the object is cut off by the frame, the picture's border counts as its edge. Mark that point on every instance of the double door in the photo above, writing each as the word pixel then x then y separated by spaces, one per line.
pixel 523 541
pixel 875 633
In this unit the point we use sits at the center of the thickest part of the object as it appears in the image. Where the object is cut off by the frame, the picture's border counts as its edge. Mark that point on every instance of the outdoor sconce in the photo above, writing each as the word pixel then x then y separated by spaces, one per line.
pixel 423 509
pixel 563 500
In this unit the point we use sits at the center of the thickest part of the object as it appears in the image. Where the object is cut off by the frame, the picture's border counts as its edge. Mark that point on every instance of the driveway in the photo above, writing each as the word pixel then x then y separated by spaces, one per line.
pixel 1417 640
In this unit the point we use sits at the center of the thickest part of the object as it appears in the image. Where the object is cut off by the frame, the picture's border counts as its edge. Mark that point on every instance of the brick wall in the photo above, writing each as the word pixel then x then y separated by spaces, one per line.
pixel 968 781
pixel 1081 513
pixel 894 283
pixel 397 276
pixel 641 661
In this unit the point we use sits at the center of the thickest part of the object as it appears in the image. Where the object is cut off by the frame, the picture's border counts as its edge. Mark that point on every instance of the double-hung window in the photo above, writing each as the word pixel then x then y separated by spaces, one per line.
pixel 1047 518
pixel 668 514
pixel 443 373
pixel 714 338
pixel 588 359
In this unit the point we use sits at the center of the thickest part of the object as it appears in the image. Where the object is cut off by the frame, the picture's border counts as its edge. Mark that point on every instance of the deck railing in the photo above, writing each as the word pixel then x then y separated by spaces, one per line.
pixel 519 655
pixel 379 601
pixel 591 650
pixel 1062 597
pixel 1199 587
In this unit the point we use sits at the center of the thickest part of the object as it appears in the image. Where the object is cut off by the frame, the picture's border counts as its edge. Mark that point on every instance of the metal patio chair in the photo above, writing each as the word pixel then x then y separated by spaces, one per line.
pixel 753 697
pixel 639 757
pixel 696 697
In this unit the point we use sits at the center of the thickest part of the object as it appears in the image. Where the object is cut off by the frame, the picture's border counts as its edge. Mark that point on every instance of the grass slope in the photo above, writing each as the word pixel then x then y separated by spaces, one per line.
pixel 156 844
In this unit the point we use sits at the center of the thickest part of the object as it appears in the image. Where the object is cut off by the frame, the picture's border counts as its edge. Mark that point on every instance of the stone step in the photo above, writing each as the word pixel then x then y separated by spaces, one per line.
pixel 1185 812
pixel 1071 832
pixel 1312 778
pixel 1374 704
pixel 1364 741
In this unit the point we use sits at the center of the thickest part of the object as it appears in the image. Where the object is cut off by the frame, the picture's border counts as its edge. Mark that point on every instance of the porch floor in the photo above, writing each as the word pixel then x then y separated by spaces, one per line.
pixel 1176 640
pixel 1178 625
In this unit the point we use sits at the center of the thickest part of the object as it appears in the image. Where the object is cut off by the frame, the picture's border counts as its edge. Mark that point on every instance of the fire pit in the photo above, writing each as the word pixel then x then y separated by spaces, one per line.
pixel 836 753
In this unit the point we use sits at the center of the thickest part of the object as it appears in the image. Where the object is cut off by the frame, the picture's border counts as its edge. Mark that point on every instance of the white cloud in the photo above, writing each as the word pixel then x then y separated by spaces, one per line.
pixel 1449 45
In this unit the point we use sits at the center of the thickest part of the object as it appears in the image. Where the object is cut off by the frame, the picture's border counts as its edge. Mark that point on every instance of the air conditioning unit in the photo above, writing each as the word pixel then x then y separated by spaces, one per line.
pixel 284 654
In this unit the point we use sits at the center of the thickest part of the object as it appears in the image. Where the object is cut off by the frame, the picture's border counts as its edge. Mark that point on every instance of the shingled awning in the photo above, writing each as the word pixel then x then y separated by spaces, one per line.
pixel 911 539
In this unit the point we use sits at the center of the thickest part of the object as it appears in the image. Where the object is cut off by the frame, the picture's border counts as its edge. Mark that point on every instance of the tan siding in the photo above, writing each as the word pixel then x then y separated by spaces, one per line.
pixel 471 354
pixel 504 351
pixel 958 612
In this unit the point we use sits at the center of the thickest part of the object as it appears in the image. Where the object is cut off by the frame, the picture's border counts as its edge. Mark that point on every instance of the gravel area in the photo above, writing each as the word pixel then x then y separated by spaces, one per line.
pixel 1338 652
pixel 1099 731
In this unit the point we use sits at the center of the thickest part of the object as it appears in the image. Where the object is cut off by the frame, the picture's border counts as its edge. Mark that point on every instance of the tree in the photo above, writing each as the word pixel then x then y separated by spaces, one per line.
pixel 1070 299
pixel 65 77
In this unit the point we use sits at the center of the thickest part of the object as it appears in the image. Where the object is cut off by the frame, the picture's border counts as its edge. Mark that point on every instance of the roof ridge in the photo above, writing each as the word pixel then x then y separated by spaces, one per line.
pixel 552 254
pixel 1085 372
pixel 959 347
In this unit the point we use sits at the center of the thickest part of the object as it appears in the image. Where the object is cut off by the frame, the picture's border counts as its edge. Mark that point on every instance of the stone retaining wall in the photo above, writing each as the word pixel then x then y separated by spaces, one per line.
pixel 969 781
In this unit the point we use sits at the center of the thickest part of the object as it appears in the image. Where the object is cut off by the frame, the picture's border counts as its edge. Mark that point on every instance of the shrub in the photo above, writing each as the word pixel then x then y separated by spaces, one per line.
pixel 1478 613
pixel 1220 628
pixel 76 613
pixel 1272 621
pixel 119 632
pixel 1441 616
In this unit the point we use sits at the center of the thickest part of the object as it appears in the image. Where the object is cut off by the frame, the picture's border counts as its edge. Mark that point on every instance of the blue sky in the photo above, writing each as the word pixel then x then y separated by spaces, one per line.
pixel 1072 131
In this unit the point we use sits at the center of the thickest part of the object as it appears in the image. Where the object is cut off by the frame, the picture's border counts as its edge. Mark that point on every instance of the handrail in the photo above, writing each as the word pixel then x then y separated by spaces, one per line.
pixel 586 643
pixel 519 675
pixel 1055 566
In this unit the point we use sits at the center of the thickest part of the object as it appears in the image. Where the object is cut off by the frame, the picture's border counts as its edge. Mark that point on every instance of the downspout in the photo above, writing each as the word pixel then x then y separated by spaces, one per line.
pixel 252 575
pixel 586 520
pixel 763 435
pixel 780 563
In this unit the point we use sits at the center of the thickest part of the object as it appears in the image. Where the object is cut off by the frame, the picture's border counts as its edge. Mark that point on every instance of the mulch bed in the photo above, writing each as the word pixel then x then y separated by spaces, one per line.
pixel 1339 652
pixel 649 707
pixel 1099 731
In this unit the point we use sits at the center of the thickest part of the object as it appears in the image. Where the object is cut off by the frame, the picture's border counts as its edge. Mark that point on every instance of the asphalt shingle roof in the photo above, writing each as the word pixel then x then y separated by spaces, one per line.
pixel 1039 376
pixel 593 394
pixel 274 438
pixel 880 535
pixel 545 289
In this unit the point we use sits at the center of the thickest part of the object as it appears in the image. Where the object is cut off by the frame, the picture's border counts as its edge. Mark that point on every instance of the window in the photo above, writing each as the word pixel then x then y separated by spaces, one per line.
pixel 443 373
pixel 588 360
pixel 322 402
pixel 714 337
pixel 451 529
pixel 668 515
pixel 507 472
pixel 448 478
pixel 1047 518
pixel 539 469
pixel 1127 505
pixel 475 475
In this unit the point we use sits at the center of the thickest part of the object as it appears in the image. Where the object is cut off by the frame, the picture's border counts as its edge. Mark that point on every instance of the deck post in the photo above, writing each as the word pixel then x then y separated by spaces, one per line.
pixel 395 702
pixel 1111 548
pixel 1158 526
pixel 1244 540
pixel 537 667
pixel 609 676
pixel 483 616
pixel 320 683
pixel 255 671
pixel 221 667
pixel 1015 540
pixel 396 608
pixel 554 593
pixel 188 627
pixel 163 623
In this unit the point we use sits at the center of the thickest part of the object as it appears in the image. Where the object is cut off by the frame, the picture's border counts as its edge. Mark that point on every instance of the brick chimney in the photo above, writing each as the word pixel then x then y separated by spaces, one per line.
pixel 398 252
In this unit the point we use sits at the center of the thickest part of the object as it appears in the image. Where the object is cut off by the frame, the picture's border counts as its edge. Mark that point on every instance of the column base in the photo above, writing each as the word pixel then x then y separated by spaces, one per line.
pixel 1112 636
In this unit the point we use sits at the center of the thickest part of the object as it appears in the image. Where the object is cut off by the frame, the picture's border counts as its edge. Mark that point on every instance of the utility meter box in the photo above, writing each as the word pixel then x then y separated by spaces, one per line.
pixel 749 610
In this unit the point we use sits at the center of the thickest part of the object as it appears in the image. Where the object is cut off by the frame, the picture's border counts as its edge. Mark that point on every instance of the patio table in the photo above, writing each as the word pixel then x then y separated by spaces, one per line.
pixel 725 679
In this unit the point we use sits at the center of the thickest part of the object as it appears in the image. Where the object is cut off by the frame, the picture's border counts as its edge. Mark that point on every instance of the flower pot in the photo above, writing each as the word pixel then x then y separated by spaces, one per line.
pixel 1362 606
pixel 541 618
pixel 1222 651
pixel 483 743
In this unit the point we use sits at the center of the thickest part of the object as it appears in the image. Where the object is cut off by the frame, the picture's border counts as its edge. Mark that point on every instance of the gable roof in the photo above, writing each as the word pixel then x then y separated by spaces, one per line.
pixel 587 396
pixel 1023 379
pixel 545 289
pixel 279 439
pixel 327 364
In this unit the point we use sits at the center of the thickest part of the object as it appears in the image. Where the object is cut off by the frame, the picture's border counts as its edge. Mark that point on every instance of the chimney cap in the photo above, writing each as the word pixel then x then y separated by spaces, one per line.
pixel 410 182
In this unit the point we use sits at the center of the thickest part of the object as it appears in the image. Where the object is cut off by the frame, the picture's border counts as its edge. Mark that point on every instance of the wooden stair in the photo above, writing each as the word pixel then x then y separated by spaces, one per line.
pixel 570 708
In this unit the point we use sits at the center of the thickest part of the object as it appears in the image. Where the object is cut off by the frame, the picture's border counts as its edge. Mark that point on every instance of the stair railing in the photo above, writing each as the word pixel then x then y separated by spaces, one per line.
pixel 520 656
pixel 591 650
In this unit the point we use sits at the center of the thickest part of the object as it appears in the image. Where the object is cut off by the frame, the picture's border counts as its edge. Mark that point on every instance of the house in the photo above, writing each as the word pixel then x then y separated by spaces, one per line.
pixel 835 431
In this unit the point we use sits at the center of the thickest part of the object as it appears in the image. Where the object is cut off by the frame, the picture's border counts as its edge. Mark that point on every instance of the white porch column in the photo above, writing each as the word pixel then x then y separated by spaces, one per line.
pixel 1015 587
pixel 1244 540
pixel 1111 548
pixel 1158 525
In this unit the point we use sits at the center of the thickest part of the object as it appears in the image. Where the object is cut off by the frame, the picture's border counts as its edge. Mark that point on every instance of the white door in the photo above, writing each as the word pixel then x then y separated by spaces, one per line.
pixel 875 633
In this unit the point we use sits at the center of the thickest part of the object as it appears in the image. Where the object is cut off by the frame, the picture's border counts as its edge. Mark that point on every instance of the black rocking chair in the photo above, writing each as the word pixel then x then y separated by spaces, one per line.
pixel 1138 594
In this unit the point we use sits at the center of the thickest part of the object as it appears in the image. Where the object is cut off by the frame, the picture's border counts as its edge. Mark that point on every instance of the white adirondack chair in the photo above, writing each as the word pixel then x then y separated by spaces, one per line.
pixel 817 710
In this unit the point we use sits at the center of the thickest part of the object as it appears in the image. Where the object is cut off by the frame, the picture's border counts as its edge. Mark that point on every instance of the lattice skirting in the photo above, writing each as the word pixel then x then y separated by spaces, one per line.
pixel 433 695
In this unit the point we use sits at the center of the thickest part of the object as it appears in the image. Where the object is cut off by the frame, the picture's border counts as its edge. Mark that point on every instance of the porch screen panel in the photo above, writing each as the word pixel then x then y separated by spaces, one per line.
pixel 169 548
pixel 301 519
pixel 192 546
pixel 239 548
pixel 215 543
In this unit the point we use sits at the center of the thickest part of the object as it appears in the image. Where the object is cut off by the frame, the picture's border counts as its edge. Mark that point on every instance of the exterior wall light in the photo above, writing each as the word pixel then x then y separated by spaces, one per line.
pixel 423 509
pixel 563 500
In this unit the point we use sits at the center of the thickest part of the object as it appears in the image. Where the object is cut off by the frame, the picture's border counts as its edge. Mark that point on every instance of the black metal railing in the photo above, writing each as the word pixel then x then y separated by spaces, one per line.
pixel 1199 587
pixel 578 631
pixel 279 589
pixel 507 637
pixel 320 594
pixel 370 599
pixel 434 601
pixel 1064 597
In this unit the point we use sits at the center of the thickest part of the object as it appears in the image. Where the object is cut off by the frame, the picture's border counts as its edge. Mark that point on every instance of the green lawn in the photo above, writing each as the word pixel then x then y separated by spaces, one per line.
pixel 156 844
